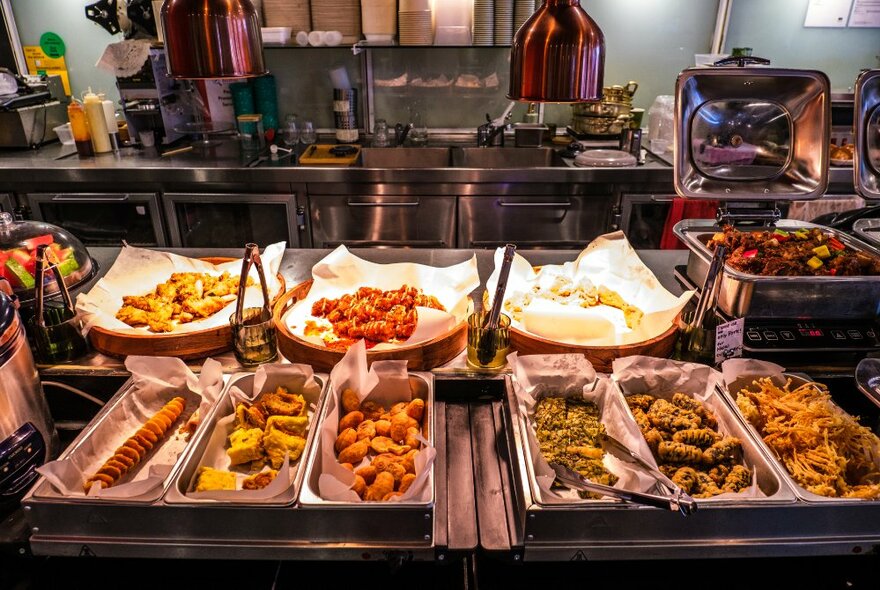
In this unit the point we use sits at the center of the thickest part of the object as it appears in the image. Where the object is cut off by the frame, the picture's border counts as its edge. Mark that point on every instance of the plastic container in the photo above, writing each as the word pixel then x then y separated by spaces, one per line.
pixel 64 133
pixel 661 119
pixel 276 35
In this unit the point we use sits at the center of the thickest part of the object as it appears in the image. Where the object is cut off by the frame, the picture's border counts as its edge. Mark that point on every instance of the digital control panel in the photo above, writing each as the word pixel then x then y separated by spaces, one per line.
pixel 771 334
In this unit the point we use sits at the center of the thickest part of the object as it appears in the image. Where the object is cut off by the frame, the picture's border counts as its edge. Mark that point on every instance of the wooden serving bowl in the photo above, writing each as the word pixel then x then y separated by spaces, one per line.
pixel 601 357
pixel 186 345
pixel 419 357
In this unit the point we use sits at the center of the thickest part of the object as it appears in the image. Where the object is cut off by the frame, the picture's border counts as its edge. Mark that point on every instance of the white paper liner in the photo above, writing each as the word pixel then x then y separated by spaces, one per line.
pixel 572 376
pixel 386 383
pixel 297 379
pixel 662 378
pixel 738 373
pixel 137 271
pixel 342 272
pixel 608 261
pixel 156 381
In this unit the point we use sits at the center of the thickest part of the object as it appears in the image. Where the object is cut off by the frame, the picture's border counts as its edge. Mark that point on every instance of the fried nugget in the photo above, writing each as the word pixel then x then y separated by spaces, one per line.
pixel 368 472
pixel 355 453
pixel 350 401
pixel 359 486
pixel 366 429
pixel 383 427
pixel 371 410
pixel 351 420
pixel 406 481
pixel 416 409
pixel 400 423
pixel 411 439
pixel 383 485
pixel 345 439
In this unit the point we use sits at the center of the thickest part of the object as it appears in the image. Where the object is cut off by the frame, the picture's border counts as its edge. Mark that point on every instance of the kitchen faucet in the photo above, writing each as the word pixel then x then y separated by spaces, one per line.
pixel 492 128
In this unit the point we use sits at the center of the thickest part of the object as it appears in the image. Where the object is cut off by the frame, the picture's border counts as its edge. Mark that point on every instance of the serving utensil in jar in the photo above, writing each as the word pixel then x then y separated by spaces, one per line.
pixel 697 341
pixel 254 339
pixel 682 503
pixel 868 379
pixel 56 330
pixel 488 342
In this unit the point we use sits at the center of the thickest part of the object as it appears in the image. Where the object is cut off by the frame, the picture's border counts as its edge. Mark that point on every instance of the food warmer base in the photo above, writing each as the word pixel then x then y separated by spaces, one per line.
pixel 160 529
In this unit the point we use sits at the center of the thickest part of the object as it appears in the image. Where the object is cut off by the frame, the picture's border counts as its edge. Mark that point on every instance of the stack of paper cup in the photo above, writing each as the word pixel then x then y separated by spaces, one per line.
pixel 484 22
pixel 379 20
pixel 415 22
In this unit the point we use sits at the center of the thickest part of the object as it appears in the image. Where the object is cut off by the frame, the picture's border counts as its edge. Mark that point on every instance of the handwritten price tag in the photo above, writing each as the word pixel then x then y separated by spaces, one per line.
pixel 729 340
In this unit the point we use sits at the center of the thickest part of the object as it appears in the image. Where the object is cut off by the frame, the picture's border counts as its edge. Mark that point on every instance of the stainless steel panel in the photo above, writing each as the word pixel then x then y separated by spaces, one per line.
pixel 868 230
pixel 185 232
pixel 185 479
pixel 756 296
pixel 729 394
pixel 382 220
pixel 107 218
pixel 750 158
pixel 867 131
pixel 31 126
pixel 532 222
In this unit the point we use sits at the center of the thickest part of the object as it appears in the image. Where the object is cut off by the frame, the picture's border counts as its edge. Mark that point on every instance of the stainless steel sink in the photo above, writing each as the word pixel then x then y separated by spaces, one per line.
pixel 504 157
pixel 405 157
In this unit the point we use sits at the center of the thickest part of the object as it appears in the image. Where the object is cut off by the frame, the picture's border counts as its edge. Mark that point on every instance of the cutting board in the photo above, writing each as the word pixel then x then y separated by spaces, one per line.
pixel 319 154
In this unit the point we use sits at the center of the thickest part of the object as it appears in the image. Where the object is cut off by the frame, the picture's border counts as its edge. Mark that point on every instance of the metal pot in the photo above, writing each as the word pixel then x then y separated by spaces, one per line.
pixel 601 109
pixel 598 125
pixel 27 433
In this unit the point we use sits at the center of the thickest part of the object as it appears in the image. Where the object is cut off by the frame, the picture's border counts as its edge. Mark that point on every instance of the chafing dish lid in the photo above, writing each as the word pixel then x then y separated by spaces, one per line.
pixel 752 134
pixel 867 131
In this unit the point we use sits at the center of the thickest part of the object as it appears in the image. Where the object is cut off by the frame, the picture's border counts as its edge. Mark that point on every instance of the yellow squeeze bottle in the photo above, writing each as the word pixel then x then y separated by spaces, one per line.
pixel 97 123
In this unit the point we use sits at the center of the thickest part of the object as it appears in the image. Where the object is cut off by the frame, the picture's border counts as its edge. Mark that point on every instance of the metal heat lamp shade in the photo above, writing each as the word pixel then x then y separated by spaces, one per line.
pixel 212 39
pixel 558 55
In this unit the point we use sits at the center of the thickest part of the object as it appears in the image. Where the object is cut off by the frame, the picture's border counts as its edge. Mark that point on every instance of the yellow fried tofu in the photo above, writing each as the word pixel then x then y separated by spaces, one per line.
pixel 278 443
pixel 244 446
pixel 213 479
pixel 296 425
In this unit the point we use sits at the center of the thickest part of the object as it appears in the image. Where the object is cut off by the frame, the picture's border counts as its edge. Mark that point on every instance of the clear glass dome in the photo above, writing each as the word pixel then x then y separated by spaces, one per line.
pixel 18 250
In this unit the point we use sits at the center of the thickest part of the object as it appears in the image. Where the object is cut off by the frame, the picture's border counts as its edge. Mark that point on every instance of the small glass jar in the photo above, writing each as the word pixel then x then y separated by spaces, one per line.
pixel 250 133
pixel 290 132
pixel 380 133
pixel 307 134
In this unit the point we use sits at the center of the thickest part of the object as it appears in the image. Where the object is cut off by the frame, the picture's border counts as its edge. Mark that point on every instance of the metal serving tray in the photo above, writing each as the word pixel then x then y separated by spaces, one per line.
pixel 44 490
pixel 866 162
pixel 184 481
pixel 729 394
pixel 369 522
pixel 868 230
pixel 744 294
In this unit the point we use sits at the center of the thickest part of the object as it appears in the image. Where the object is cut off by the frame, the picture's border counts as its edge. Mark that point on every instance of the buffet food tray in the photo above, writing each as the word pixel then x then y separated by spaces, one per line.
pixel 184 480
pixel 729 394
pixel 231 530
pixel 617 531
pixel 750 295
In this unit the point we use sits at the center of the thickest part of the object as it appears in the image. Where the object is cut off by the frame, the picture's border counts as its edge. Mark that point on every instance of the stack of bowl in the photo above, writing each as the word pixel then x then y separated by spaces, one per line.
pixel 415 21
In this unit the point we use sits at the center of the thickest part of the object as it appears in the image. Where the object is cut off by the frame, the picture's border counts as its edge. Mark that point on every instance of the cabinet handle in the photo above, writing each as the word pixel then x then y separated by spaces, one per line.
pixel 656 199
pixel 378 204
pixel 79 198
pixel 550 204
pixel 387 243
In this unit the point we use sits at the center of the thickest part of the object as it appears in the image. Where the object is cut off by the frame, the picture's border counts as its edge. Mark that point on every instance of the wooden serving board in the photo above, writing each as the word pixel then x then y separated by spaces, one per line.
pixel 419 357
pixel 601 357
pixel 186 346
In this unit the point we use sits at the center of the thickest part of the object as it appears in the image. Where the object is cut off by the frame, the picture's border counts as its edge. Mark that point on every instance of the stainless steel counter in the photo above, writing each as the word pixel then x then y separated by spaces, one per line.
pixel 30 170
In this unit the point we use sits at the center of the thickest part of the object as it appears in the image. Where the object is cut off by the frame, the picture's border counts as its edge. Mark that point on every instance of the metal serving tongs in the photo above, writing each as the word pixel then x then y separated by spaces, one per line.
pixel 621 451
pixel 42 264
pixel 685 505
pixel 251 257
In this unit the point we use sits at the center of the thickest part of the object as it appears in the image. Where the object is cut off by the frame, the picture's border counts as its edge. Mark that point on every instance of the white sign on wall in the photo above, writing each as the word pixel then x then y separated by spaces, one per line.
pixel 828 13
pixel 865 13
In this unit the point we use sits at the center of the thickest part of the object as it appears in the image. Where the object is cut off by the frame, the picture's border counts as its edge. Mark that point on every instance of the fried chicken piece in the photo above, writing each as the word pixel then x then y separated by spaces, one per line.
pixel 705 487
pixel 632 314
pixel 699 437
pixel 247 417
pixel 726 449
pixel 258 481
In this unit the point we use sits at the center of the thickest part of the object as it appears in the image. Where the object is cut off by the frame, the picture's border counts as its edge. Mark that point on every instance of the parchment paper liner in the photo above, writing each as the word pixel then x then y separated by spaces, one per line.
pixel 137 271
pixel 662 378
pixel 155 381
pixel 386 383
pixel 572 376
pixel 342 272
pixel 297 378
pixel 608 261
pixel 735 371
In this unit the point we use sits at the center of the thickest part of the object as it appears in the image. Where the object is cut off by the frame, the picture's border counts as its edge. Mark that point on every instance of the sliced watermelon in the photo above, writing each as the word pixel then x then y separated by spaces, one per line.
pixel 32 243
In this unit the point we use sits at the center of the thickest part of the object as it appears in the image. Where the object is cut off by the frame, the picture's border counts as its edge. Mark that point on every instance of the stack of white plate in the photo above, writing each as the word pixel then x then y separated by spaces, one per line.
pixel 503 21
pixel 415 22
pixel 522 10
pixel 484 22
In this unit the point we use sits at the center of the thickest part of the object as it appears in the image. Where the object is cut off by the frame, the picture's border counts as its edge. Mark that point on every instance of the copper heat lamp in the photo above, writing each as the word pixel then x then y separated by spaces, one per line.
pixel 558 55
pixel 212 39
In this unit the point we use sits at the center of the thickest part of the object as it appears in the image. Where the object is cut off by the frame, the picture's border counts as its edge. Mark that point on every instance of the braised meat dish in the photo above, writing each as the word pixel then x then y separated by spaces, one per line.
pixel 804 252
pixel 370 314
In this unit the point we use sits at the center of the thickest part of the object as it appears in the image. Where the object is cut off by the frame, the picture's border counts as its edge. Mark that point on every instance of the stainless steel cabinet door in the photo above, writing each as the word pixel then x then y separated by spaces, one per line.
pixel 230 220
pixel 103 219
pixel 532 222
pixel 382 221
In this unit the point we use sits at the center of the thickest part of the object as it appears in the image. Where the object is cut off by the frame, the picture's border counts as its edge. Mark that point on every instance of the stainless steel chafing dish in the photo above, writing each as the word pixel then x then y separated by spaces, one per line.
pixel 744 294
pixel 867 155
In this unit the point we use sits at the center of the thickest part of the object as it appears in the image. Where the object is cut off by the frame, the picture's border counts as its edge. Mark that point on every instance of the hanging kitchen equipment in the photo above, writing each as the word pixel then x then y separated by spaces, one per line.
pixel 212 39
pixel 27 433
pixel 254 339
pixel 18 250
pixel 55 329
